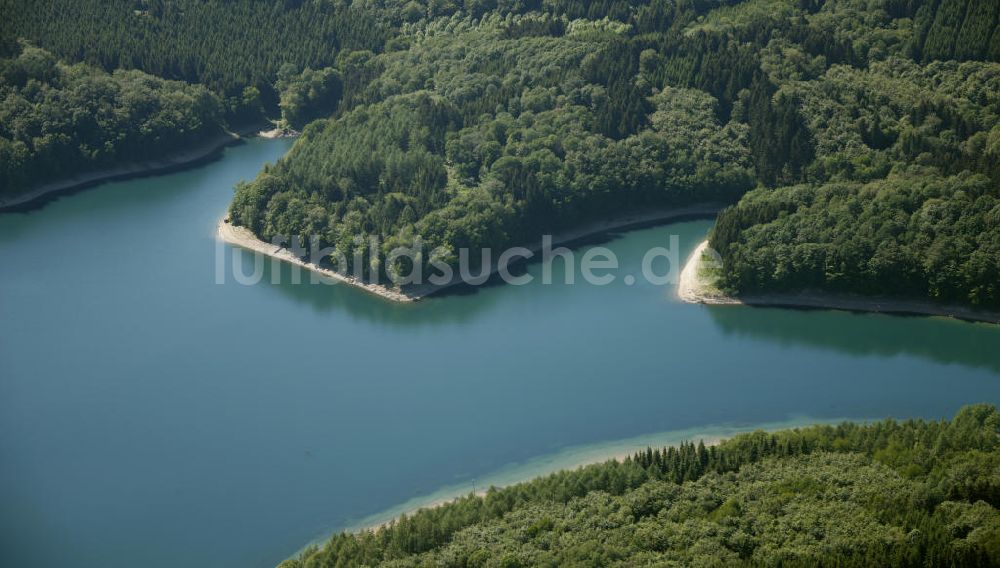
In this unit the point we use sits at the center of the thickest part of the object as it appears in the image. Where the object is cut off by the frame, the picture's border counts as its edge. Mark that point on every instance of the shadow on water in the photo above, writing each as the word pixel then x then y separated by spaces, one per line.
pixel 130 196
pixel 520 265
pixel 443 307
pixel 942 340
pixel 459 303
pixel 361 305
pixel 41 201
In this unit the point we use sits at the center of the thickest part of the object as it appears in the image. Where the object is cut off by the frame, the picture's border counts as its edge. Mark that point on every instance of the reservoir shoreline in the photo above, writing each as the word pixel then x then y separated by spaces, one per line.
pixel 620 454
pixel 201 152
pixel 568 459
pixel 243 237
pixel 695 289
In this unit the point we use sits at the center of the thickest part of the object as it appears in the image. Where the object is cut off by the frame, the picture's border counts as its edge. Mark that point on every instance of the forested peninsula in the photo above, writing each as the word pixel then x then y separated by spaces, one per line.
pixel 889 493
pixel 868 129
pixel 858 141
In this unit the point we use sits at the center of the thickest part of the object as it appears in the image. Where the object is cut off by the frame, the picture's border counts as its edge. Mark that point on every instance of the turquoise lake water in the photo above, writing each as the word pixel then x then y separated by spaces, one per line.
pixel 150 416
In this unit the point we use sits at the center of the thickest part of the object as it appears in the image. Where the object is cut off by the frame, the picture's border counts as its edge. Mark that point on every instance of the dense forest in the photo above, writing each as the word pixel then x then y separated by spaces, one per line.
pixel 901 196
pixel 889 493
pixel 58 120
pixel 234 47
pixel 914 232
pixel 471 123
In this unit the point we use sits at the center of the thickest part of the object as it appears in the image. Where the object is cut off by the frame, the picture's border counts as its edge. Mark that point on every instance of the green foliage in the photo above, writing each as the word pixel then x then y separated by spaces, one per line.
pixel 225 45
pixel 956 29
pixel 308 95
pixel 914 233
pixel 58 120
pixel 780 142
pixel 882 494
pixel 904 186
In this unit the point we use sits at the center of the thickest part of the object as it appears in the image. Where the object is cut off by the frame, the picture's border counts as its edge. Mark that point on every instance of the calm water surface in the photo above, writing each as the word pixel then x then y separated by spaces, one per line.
pixel 149 416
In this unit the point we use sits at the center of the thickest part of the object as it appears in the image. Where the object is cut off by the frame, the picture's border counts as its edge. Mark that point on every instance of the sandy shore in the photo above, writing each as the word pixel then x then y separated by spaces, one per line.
pixel 125 170
pixel 278 132
pixel 242 237
pixel 696 287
